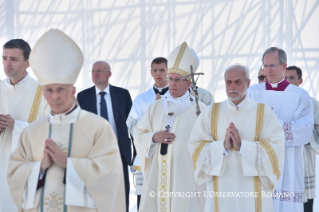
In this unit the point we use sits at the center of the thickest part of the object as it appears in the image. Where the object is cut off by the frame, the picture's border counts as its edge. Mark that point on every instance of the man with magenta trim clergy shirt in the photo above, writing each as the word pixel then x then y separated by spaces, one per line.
pixel 293 108
pixel 68 160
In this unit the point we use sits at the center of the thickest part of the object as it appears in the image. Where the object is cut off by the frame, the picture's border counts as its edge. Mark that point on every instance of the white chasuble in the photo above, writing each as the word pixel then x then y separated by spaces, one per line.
pixel 168 179
pixel 24 103
pixel 294 110
pixel 94 174
pixel 53 196
pixel 238 180
pixel 140 105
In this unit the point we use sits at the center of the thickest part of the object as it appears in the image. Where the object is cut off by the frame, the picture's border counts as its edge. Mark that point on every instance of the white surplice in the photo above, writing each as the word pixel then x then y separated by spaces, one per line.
pixel 309 155
pixel 293 108
pixel 17 101
pixel 174 171
pixel 231 175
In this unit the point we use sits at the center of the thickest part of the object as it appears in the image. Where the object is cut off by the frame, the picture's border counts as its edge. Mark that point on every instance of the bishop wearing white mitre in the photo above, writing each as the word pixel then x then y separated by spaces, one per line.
pixel 68 160
pixel 161 142
pixel 237 148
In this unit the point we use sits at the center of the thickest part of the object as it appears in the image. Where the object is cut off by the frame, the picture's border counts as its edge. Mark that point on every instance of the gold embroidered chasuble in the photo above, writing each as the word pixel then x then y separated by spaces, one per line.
pixel 94 155
pixel 25 103
pixel 175 168
pixel 238 180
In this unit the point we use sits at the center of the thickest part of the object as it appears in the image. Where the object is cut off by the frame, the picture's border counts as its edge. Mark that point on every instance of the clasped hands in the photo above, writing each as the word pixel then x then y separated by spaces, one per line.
pixel 232 137
pixel 52 153
pixel 6 122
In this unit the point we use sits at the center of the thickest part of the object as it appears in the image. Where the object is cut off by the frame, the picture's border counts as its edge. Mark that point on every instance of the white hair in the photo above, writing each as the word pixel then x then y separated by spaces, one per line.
pixel 238 65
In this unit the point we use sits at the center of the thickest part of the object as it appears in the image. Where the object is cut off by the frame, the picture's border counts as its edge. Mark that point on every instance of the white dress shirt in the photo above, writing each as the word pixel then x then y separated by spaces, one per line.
pixel 108 101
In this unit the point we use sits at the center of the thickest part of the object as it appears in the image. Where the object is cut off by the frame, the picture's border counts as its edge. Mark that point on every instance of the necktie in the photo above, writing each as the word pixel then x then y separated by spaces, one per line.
pixel 103 106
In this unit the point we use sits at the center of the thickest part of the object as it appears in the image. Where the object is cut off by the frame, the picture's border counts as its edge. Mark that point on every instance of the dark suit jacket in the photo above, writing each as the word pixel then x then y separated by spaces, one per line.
pixel 121 105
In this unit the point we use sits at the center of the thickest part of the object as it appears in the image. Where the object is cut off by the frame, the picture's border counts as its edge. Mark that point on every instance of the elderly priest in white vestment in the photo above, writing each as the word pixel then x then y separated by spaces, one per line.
pixel 68 160
pixel 293 108
pixel 237 148
pixel 161 142
pixel 21 102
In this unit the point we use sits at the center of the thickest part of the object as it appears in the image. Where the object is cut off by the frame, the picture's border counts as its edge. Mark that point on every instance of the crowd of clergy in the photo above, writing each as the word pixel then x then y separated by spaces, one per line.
pixel 62 152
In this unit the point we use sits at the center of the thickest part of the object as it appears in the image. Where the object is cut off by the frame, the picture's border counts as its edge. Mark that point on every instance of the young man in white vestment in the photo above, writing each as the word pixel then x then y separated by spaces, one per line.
pixel 21 102
pixel 140 106
pixel 293 108
pixel 68 160
pixel 237 148
pixel 293 74
pixel 161 142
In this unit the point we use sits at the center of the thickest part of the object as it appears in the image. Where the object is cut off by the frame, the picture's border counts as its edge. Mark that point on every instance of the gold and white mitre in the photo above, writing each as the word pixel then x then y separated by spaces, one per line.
pixel 181 59
pixel 56 59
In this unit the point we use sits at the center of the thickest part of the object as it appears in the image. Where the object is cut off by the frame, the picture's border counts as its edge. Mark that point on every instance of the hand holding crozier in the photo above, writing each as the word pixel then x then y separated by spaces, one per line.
pixel 164 137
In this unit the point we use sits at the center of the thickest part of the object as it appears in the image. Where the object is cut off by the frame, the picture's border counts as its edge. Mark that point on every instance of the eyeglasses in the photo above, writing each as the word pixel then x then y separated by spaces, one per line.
pixel 61 91
pixel 261 77
pixel 96 71
pixel 176 80
pixel 272 66
pixel 156 70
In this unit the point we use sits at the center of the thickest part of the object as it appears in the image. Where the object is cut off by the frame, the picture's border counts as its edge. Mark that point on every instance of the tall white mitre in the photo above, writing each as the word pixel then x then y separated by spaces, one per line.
pixel 56 59
pixel 181 59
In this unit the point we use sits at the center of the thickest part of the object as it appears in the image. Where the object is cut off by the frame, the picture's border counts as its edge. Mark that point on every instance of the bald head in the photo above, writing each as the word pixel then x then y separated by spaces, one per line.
pixel 101 72
pixel 103 64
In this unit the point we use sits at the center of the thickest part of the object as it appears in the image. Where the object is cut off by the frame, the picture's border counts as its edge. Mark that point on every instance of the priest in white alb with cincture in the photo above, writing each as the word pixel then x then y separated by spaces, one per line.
pixel 237 148
pixel 21 102
pixel 293 108
pixel 68 160
pixel 161 142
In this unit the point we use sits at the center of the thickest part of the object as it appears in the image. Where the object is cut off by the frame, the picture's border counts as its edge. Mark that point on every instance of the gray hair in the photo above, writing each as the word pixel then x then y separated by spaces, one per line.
pixel 281 53
pixel 238 65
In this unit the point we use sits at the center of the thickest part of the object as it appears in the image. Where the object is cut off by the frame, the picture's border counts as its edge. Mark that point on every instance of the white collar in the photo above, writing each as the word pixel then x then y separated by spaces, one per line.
pixel 106 90
pixel 160 89
pixel 65 118
pixel 275 85
pixel 20 82
pixel 240 105
pixel 177 100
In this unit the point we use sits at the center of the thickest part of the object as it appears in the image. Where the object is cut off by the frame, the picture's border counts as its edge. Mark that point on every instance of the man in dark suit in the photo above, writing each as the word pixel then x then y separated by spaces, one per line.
pixel 114 104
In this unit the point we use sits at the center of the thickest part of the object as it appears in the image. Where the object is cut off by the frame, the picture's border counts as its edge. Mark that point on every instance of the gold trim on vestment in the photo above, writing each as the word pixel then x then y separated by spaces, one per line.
pixel 215 189
pixel 178 71
pixel 257 187
pixel 136 167
pixel 197 151
pixel 272 156
pixel 259 120
pixel 214 122
pixel 180 55
pixel 164 180
pixel 259 128
pixel 164 184
pixel 35 105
